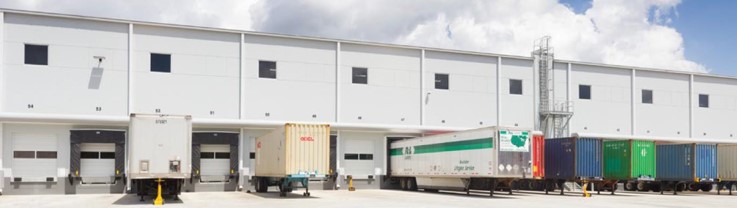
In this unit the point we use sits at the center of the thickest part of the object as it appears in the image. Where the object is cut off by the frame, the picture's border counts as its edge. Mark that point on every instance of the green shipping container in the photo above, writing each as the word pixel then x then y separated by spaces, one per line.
pixel 629 159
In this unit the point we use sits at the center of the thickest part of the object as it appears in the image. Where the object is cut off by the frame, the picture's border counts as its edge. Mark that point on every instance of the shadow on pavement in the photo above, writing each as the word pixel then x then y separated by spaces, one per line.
pixel 133 199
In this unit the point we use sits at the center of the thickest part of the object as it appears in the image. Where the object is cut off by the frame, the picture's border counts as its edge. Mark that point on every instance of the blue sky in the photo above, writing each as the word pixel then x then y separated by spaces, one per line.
pixel 708 29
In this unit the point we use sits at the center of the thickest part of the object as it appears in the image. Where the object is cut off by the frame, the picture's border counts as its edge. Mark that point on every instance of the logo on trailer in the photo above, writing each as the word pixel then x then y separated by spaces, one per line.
pixel 643 152
pixel 258 145
pixel 306 139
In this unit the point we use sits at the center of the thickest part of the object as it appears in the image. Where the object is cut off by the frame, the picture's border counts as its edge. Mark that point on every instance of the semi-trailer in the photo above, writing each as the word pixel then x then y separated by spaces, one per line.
pixel 726 166
pixel 292 155
pixel 631 162
pixel 690 166
pixel 159 154
pixel 573 159
pixel 486 159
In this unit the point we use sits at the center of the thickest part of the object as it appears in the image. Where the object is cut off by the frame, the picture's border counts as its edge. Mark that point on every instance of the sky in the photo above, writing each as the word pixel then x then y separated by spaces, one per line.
pixel 686 35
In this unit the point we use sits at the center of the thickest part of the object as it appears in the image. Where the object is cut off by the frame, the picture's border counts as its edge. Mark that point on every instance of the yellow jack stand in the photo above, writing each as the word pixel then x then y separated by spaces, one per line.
pixel 159 200
pixel 585 189
pixel 350 183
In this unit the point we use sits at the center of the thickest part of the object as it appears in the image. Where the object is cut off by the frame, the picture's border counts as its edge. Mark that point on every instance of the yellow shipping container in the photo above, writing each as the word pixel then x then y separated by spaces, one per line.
pixel 294 149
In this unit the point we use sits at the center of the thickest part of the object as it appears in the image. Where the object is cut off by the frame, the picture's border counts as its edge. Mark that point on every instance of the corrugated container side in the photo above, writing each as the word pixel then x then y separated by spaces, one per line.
pixel 308 148
pixel 727 162
pixel 270 153
pixel 617 160
pixel 560 158
pixel 674 162
pixel 538 155
pixel 643 159
pixel 588 158
pixel 706 161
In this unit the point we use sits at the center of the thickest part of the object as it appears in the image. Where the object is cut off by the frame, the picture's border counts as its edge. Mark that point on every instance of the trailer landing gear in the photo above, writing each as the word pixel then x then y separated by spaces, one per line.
pixel 159 200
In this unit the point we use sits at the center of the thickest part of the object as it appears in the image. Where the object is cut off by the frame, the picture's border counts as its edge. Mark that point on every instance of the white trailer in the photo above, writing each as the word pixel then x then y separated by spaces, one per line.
pixel 483 159
pixel 292 155
pixel 159 153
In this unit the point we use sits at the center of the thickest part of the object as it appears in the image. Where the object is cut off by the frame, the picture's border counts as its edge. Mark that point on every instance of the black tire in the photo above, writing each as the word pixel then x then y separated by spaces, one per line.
pixel 403 183
pixel 263 185
pixel 680 187
pixel 706 187
pixel 642 186
pixel 412 184
pixel 629 186
pixel 694 186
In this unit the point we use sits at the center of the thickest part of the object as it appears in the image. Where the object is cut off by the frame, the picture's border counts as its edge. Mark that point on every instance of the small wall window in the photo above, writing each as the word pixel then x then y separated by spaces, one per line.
pixel 647 96
pixel 24 154
pixel 107 155
pixel 515 86
pixel 252 155
pixel 703 100
pixel 46 154
pixel 36 54
pixel 366 156
pixel 350 156
pixel 584 92
pixel 441 82
pixel 267 69
pixel 222 155
pixel 90 155
pixel 360 75
pixel 160 62
pixel 207 155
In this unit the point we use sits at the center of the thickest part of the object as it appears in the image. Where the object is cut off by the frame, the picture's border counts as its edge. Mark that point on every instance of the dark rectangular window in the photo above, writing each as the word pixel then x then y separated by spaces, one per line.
pixel 90 155
pixel 267 69
pixel 584 92
pixel 252 155
pixel 515 86
pixel 441 82
pixel 351 157
pixel 647 96
pixel 46 154
pixel 107 155
pixel 222 155
pixel 160 62
pixel 703 100
pixel 366 156
pixel 207 155
pixel 37 54
pixel 360 75
pixel 24 154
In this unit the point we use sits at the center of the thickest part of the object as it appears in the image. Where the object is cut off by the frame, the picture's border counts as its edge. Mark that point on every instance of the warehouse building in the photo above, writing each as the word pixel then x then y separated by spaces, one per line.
pixel 69 83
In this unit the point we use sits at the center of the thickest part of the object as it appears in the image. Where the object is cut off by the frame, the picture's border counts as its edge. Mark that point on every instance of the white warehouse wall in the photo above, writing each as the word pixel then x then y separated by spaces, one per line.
pixel 305 83
pixel 63 86
pixel 518 110
pixel 470 100
pixel 716 121
pixel 668 114
pixel 392 95
pixel 609 109
pixel 204 72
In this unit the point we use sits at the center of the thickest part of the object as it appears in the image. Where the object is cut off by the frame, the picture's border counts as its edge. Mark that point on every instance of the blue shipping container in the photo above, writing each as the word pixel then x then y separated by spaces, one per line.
pixel 686 162
pixel 573 158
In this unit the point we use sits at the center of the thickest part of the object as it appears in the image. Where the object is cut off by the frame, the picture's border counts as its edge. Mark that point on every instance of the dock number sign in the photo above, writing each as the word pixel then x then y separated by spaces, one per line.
pixel 514 141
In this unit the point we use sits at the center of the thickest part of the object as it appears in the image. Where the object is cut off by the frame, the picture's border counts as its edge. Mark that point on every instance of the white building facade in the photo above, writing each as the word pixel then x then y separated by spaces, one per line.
pixel 65 79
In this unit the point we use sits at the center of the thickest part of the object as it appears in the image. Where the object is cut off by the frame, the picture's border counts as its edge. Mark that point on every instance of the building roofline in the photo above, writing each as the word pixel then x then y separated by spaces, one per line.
pixel 357 42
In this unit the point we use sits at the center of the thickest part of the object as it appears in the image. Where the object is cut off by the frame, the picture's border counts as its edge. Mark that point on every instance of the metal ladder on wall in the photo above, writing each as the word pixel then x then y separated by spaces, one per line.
pixel 554 116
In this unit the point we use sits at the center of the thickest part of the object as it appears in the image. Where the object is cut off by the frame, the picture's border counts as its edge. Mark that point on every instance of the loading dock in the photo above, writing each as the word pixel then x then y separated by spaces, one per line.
pixel 97 159
pixel 33 167
pixel 214 162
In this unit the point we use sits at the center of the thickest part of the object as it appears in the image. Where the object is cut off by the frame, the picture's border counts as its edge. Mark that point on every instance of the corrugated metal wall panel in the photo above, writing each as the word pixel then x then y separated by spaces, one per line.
pixel 588 158
pixel 643 159
pixel 674 162
pixel 538 156
pixel 560 158
pixel 706 161
pixel 617 160
pixel 727 162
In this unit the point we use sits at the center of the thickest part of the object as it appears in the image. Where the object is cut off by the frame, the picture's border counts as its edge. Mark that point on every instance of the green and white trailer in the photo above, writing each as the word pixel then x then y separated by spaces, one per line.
pixel 490 158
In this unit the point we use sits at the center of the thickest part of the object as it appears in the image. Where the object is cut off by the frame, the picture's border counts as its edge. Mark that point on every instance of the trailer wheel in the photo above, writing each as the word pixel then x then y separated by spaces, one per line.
pixel 694 186
pixel 628 186
pixel 412 184
pixel 706 187
pixel 403 183
pixel 262 185
pixel 679 187
pixel 642 186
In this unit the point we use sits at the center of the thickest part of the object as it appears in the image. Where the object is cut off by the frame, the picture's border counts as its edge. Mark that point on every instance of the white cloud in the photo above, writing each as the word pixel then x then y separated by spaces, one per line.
pixel 624 32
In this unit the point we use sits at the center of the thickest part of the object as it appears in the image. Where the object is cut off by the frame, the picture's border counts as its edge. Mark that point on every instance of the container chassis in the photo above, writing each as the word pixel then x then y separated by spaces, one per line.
pixel 285 184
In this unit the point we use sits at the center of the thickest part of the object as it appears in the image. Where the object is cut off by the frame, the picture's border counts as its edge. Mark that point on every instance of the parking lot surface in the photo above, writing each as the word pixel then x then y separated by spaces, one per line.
pixel 379 198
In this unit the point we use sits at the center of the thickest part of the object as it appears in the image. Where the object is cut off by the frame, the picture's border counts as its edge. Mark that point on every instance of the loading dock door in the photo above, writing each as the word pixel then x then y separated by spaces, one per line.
pixel 34 157
pixel 97 161
pixel 214 162
pixel 358 158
